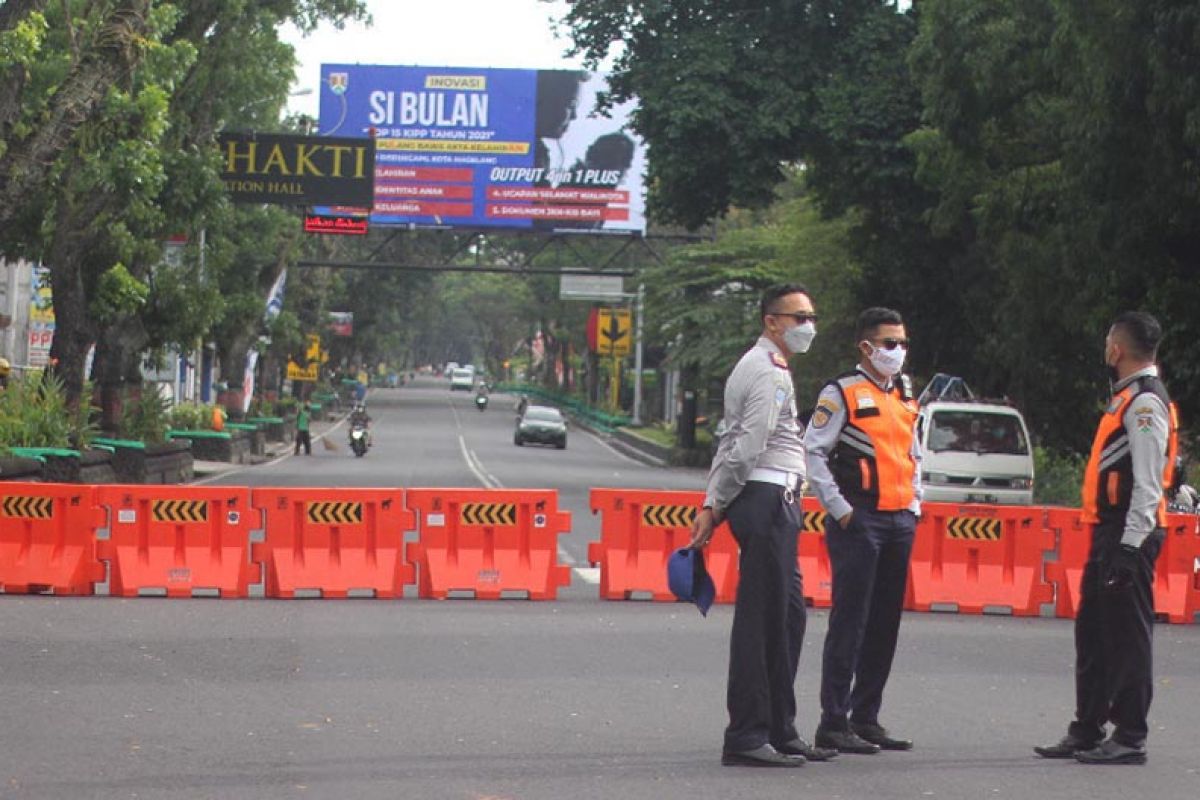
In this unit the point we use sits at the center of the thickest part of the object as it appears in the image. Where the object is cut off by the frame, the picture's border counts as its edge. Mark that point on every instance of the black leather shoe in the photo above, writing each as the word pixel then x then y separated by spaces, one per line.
pixel 764 756
pixel 877 734
pixel 799 747
pixel 1112 752
pixel 1066 747
pixel 845 742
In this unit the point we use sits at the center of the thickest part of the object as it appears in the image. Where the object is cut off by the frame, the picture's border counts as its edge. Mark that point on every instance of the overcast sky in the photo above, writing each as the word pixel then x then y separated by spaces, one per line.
pixel 467 33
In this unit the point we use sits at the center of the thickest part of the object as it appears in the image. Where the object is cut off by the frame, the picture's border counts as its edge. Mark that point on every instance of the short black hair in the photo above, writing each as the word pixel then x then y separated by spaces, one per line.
pixel 777 291
pixel 557 96
pixel 872 318
pixel 1142 333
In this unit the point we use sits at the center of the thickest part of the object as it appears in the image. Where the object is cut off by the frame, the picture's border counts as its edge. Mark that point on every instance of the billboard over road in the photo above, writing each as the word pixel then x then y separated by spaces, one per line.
pixel 506 148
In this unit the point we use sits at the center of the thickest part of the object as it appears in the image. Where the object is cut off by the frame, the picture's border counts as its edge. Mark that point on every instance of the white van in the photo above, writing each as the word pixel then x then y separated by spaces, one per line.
pixel 462 378
pixel 975 452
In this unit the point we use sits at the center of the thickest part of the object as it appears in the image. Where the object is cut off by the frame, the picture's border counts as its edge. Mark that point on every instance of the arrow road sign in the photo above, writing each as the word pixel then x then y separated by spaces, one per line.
pixel 614 332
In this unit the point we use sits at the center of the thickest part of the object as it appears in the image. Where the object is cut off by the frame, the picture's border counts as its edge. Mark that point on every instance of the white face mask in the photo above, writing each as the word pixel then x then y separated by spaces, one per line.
pixel 888 362
pixel 799 338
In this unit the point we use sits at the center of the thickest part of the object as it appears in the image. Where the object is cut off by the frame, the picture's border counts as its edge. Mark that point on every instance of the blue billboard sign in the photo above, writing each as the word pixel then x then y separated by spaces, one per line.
pixel 480 148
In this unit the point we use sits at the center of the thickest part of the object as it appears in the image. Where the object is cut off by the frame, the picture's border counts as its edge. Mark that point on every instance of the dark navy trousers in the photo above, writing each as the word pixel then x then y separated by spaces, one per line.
pixel 769 619
pixel 869 560
pixel 1114 637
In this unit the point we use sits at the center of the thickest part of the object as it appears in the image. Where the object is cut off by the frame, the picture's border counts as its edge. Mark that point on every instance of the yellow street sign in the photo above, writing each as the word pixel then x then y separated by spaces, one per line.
pixel 295 372
pixel 614 332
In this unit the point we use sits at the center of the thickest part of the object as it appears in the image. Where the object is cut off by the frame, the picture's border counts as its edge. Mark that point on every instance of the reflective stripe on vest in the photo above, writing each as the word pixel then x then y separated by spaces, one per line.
pixel 1108 478
pixel 873 463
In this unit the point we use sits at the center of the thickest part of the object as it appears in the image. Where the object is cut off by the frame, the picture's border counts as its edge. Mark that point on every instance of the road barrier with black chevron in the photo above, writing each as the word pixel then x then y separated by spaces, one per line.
pixel 333 542
pixel 488 542
pixel 48 538
pixel 639 529
pixel 179 540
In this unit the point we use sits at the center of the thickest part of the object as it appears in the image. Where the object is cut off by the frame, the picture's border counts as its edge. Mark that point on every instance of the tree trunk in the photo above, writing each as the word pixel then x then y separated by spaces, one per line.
pixel 118 371
pixel 232 355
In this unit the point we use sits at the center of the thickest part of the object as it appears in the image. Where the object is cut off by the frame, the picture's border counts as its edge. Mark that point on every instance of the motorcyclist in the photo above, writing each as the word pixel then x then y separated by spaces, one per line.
pixel 360 418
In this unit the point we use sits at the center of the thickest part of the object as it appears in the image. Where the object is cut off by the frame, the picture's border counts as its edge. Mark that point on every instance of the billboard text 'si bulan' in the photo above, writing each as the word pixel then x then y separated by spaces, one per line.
pixel 490 147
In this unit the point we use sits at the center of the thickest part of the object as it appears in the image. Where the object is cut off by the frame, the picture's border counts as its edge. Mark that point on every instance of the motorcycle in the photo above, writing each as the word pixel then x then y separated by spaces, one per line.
pixel 358 440
pixel 481 402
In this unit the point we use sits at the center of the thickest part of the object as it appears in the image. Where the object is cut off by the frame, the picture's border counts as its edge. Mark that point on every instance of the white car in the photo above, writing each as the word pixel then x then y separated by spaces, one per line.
pixel 975 452
pixel 462 378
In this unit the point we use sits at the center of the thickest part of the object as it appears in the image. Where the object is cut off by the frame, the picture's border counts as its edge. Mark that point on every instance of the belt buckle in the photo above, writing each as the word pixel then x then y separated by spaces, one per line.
pixel 788 495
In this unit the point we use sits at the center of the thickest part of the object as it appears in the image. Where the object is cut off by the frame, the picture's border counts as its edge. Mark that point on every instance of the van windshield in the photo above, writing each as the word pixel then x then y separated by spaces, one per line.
pixel 977 432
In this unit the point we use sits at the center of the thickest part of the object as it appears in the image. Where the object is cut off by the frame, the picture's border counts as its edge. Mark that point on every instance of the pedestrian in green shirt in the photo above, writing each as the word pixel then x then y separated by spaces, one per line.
pixel 302 434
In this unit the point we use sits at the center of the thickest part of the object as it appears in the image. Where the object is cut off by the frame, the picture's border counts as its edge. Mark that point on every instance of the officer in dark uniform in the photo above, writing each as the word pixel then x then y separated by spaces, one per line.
pixel 863 464
pixel 1131 464
pixel 756 482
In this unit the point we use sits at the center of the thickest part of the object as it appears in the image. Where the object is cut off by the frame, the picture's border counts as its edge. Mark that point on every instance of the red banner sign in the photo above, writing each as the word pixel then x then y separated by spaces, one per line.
pixel 352 226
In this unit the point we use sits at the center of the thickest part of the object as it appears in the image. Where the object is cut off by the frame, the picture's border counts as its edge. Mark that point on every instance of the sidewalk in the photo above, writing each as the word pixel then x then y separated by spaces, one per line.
pixel 206 470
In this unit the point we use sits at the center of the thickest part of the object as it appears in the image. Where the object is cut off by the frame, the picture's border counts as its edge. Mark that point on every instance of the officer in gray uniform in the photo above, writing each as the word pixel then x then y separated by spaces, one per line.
pixel 755 483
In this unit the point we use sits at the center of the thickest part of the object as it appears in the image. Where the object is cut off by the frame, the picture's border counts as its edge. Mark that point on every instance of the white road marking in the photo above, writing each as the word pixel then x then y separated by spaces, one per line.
pixel 614 450
pixel 588 574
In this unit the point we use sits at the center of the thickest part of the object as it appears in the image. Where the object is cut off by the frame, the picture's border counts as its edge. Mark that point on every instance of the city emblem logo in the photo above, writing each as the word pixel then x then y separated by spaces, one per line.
pixel 339 82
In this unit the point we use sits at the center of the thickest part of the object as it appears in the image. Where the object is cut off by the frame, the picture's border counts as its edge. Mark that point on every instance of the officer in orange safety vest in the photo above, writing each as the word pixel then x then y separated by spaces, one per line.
pixel 1131 465
pixel 863 456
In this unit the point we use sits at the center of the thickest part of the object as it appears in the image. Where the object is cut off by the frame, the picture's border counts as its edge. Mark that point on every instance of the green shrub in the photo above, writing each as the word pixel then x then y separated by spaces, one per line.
pixel 34 413
pixel 1058 477
pixel 145 419
pixel 191 417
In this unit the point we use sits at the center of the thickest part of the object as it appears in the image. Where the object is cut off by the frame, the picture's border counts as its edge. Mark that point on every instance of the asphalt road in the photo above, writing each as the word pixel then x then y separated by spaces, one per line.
pixel 515 700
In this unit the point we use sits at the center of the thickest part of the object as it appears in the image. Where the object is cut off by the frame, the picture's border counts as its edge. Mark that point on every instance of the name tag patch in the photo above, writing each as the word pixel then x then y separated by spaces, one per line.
pixel 865 400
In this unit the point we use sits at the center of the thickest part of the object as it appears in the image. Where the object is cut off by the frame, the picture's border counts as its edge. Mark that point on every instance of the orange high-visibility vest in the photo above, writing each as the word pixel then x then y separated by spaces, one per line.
pixel 873 463
pixel 1108 479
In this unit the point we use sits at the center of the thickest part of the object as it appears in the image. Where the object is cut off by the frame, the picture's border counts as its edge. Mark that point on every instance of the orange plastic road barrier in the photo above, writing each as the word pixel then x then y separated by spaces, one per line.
pixel 980 558
pixel 333 540
pixel 813 557
pixel 1177 573
pixel 1066 572
pixel 639 529
pixel 488 541
pixel 178 538
pixel 48 538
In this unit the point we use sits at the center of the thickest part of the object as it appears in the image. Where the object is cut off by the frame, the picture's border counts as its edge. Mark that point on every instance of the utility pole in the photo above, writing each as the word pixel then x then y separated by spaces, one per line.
pixel 637 357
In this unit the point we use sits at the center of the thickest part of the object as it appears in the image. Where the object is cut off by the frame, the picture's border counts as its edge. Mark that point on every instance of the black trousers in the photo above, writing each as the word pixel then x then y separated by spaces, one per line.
pixel 769 619
pixel 305 439
pixel 870 574
pixel 1114 635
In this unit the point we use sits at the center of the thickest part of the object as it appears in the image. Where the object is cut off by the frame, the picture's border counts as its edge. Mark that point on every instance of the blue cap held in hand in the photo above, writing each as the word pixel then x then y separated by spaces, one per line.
pixel 689 579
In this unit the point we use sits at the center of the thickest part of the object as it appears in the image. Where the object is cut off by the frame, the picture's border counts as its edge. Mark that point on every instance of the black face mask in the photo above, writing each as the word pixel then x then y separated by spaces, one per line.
pixel 1113 375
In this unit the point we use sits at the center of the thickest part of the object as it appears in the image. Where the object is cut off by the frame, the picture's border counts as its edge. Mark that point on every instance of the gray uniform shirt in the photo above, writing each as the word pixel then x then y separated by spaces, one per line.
pixel 1147 425
pixel 762 429
pixel 821 439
